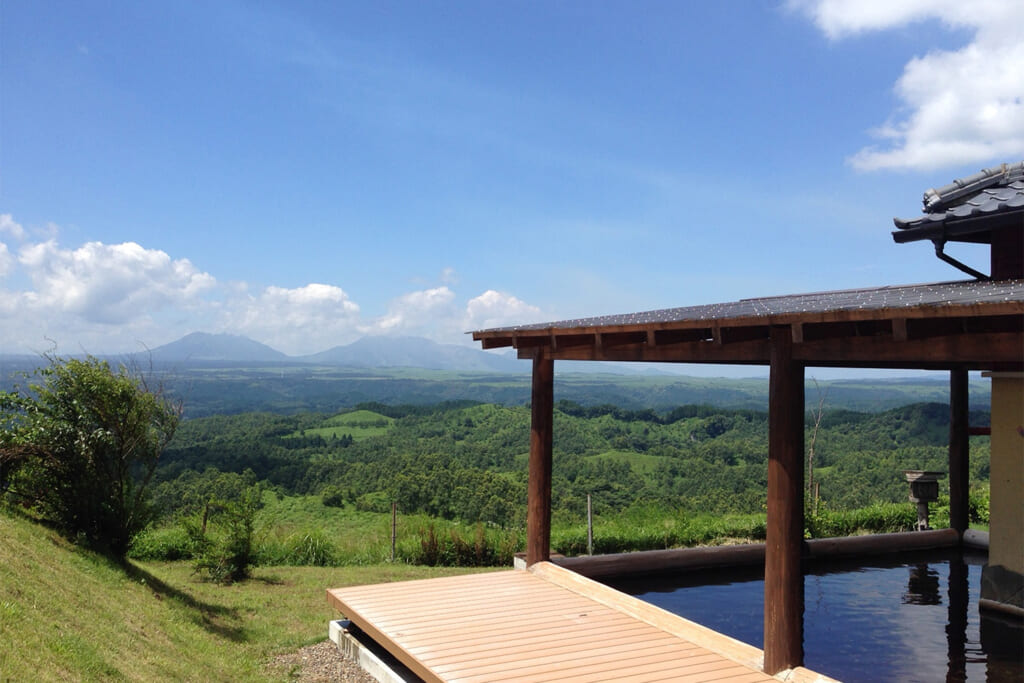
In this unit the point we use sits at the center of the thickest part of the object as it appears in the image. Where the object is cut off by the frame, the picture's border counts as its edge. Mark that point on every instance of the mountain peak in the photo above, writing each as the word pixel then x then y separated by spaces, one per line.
pixel 414 352
pixel 219 347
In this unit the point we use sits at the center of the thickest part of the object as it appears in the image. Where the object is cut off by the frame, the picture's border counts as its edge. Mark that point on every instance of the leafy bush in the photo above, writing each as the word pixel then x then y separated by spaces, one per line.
pixel 876 518
pixel 164 544
pixel 80 446
pixel 227 553
pixel 978 506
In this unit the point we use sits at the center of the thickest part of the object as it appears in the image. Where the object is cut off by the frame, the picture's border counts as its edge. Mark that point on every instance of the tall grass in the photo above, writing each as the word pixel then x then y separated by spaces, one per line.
pixel 301 531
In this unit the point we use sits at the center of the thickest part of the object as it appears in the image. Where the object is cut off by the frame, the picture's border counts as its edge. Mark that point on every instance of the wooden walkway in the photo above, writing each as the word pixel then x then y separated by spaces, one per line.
pixel 543 624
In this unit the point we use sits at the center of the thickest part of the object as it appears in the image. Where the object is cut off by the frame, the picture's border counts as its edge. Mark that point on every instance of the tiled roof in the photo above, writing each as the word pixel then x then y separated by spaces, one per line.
pixel 993 191
pixel 847 304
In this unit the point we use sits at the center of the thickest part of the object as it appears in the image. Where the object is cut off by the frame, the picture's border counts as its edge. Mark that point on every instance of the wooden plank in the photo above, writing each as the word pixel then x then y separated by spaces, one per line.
pixel 511 632
pixel 561 660
pixel 575 630
pixel 538 514
pixel 783 579
pixel 660 619
pixel 899 329
pixel 509 649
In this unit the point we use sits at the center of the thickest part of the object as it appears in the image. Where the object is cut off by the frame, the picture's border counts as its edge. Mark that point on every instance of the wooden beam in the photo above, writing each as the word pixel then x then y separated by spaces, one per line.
pixel 899 329
pixel 959 450
pixel 749 352
pixel 991 350
pixel 976 350
pixel 783 579
pixel 538 512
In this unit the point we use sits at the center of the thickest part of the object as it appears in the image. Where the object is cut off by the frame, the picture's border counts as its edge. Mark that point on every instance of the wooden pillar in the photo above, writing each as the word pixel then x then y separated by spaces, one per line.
pixel 538 512
pixel 783 579
pixel 959 451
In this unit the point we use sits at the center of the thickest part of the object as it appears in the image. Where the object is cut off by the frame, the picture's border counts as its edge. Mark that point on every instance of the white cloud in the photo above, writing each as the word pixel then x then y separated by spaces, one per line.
pixel 296 321
pixel 8 225
pixel 110 284
pixel 6 260
pixel 497 309
pixel 415 313
pixel 108 298
pixel 957 107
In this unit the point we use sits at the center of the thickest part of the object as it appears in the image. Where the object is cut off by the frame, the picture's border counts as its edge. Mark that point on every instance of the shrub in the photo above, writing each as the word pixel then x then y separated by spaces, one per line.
pixel 166 544
pixel 312 548
pixel 83 443
pixel 227 553
pixel 485 548
pixel 978 506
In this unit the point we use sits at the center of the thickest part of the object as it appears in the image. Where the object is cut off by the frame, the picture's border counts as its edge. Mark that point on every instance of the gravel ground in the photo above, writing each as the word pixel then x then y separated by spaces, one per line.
pixel 321 663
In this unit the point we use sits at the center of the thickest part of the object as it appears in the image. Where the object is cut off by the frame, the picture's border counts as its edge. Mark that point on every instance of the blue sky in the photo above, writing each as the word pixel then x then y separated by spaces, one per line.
pixel 307 173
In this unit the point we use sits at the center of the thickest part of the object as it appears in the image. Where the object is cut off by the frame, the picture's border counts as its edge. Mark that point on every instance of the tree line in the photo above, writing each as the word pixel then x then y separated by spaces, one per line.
pixel 88 447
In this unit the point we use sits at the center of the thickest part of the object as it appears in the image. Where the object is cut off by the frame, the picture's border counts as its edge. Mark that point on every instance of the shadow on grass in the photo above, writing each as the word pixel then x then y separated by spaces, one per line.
pixel 268 580
pixel 216 619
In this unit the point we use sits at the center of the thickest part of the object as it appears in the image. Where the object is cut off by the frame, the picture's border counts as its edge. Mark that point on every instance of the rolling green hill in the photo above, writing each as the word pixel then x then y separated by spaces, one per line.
pixel 67 614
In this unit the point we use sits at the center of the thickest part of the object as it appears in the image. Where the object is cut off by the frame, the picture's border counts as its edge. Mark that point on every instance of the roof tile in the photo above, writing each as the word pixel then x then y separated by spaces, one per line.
pixel 994 190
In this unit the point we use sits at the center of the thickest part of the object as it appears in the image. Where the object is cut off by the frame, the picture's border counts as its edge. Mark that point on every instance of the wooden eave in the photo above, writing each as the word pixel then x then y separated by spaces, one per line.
pixel 983 329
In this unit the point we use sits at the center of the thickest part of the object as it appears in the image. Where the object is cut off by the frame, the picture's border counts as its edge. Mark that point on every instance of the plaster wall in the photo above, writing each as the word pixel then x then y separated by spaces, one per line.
pixel 1007 472
pixel 1002 579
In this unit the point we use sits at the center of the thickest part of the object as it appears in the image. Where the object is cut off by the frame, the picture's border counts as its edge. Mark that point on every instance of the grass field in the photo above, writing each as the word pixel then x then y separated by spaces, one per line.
pixel 640 463
pixel 68 614
pixel 359 424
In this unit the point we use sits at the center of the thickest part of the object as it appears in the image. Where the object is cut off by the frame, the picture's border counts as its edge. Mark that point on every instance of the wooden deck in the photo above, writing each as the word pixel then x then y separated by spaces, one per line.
pixel 543 624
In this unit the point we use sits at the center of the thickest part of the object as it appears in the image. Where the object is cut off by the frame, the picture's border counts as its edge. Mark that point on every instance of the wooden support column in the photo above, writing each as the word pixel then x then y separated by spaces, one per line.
pixel 783 579
pixel 959 451
pixel 538 513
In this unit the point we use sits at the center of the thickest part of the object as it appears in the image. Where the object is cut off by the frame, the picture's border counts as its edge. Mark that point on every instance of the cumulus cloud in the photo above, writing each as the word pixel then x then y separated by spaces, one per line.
pixel 12 228
pixel 108 283
pixel 6 260
pixel 498 309
pixel 957 107
pixel 415 312
pixel 296 321
pixel 107 298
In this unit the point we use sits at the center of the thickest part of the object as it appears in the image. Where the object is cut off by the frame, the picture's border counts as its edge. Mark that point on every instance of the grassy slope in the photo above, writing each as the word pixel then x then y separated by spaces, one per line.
pixel 68 614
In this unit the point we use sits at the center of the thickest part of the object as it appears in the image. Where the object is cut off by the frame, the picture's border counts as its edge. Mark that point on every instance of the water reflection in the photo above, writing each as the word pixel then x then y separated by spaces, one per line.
pixel 922 586
pixel 912 618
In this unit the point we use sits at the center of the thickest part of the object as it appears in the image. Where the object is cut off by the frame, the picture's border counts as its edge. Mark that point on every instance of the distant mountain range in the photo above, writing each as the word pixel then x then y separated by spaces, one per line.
pixel 200 346
pixel 368 352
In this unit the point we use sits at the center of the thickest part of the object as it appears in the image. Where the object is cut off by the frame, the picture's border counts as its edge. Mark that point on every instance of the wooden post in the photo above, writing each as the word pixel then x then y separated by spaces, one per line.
pixel 538 512
pixel 394 528
pixel 590 527
pixel 783 579
pixel 959 451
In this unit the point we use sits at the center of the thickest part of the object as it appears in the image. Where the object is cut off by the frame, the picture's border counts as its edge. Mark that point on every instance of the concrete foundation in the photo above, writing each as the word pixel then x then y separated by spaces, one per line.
pixel 371 657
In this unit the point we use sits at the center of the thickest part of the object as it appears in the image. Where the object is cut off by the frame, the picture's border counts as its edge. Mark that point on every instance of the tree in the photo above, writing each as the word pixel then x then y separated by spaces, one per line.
pixel 79 446
pixel 229 502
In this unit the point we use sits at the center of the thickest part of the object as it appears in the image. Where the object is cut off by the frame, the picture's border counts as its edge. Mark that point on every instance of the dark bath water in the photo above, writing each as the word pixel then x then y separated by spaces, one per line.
pixel 906 618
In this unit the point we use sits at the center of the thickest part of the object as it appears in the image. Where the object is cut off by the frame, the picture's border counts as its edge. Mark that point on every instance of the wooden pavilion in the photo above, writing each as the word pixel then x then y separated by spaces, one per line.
pixel 962 326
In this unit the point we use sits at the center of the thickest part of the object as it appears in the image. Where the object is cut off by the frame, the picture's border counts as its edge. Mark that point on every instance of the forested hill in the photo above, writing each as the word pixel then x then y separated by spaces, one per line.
pixel 218 387
pixel 468 462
